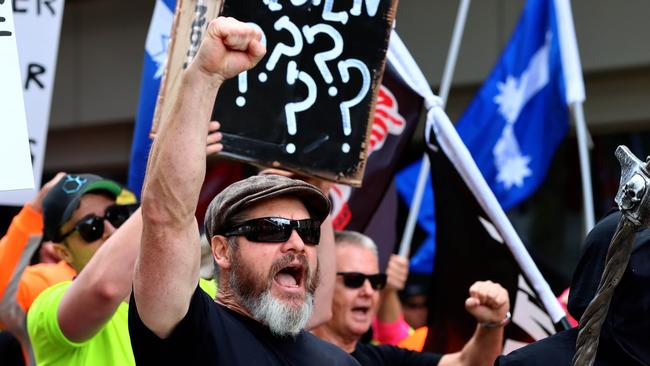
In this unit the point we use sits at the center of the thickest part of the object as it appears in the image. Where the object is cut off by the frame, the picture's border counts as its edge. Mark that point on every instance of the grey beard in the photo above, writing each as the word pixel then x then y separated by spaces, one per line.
pixel 282 319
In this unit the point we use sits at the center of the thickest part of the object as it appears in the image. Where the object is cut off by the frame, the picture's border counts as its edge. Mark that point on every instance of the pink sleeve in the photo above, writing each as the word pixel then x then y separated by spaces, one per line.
pixel 390 333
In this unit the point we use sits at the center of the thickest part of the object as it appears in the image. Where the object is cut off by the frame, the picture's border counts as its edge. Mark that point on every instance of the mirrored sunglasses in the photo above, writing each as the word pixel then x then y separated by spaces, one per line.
pixel 276 230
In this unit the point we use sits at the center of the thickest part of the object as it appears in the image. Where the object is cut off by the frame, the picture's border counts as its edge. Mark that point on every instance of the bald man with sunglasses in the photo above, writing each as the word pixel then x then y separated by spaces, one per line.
pixel 357 296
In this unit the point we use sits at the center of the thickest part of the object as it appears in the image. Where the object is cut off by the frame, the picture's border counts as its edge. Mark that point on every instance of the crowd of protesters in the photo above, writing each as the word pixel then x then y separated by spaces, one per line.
pixel 127 285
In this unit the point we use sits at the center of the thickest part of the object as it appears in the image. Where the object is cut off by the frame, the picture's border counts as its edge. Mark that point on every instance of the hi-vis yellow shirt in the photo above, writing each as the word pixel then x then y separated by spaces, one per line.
pixel 110 346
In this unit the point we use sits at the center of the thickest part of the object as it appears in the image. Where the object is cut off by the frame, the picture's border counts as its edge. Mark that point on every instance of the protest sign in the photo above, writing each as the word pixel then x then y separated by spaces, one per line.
pixel 38 25
pixel 307 105
pixel 16 172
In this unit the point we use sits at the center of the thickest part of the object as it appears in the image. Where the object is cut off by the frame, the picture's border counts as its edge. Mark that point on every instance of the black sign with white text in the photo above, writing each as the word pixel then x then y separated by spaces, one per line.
pixel 307 105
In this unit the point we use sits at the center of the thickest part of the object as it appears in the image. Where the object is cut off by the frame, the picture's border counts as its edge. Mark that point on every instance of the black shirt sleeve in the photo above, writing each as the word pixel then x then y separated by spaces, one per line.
pixel 183 343
pixel 557 349
pixel 387 355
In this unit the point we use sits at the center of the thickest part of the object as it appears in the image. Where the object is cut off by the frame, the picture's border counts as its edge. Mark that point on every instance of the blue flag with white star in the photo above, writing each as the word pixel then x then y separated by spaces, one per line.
pixel 153 66
pixel 520 115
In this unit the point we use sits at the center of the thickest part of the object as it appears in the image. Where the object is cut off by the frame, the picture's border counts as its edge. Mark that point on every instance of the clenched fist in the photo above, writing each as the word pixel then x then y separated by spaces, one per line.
pixel 229 48
pixel 488 302
pixel 397 272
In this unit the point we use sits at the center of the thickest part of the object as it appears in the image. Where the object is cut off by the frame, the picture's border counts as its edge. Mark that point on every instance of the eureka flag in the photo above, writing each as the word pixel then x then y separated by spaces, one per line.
pixel 520 115
pixel 153 66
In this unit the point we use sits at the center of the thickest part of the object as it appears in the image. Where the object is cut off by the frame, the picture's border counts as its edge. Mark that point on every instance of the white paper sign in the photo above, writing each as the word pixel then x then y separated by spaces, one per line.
pixel 38 26
pixel 15 160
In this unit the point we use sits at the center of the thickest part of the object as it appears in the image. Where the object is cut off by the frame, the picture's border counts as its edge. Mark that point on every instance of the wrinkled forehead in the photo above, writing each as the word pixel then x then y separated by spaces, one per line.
pixel 352 257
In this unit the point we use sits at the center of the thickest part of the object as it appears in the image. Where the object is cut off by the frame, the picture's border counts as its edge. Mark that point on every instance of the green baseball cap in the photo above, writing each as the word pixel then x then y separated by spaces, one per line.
pixel 63 199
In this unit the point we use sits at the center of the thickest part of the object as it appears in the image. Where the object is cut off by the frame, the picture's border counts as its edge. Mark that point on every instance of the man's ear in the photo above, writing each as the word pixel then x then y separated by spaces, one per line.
pixel 63 252
pixel 220 251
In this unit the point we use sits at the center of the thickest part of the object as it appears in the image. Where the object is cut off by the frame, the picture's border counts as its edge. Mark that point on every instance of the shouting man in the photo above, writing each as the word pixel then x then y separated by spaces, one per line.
pixel 264 231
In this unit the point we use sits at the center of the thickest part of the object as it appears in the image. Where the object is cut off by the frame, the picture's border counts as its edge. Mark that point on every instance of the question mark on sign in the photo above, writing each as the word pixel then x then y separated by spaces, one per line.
pixel 346 105
pixel 242 78
pixel 281 48
pixel 321 58
pixel 291 109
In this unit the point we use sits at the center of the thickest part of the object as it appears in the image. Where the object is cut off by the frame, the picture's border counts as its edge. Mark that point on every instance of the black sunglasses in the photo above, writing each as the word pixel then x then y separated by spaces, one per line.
pixel 357 279
pixel 276 230
pixel 91 227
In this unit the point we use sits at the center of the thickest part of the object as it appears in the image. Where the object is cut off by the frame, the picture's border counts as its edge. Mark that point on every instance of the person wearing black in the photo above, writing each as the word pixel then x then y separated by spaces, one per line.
pixel 265 233
pixel 355 302
pixel 624 337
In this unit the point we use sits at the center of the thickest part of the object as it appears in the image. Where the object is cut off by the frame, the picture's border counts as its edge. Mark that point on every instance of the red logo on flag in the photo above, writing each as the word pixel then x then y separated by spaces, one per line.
pixel 387 120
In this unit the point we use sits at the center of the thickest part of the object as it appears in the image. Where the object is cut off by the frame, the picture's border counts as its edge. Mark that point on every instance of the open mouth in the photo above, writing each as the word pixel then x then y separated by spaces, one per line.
pixel 361 310
pixel 290 276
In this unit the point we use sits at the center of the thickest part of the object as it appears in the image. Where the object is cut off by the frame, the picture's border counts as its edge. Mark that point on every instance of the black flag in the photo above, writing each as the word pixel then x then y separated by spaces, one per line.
pixel 471 248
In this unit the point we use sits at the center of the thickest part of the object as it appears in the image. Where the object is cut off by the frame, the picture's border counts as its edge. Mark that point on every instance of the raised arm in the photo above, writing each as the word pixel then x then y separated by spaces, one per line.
pixel 488 303
pixel 167 270
pixel 397 271
pixel 27 223
pixel 102 285
pixel 107 279
pixel 391 327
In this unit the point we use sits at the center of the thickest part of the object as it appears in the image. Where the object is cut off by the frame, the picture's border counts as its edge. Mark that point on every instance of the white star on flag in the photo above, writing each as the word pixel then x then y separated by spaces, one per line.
pixel 513 95
pixel 158 38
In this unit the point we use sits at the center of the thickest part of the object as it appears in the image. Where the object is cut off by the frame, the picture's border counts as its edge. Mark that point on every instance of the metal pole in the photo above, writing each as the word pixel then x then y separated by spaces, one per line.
pixel 445 85
pixel 454 47
pixel 585 167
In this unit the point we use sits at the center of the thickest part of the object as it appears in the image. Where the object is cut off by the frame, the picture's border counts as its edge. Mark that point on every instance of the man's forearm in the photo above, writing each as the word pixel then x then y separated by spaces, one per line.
pixel 483 348
pixel 170 249
pixel 167 271
pixel 390 308
pixel 12 245
pixel 103 284
pixel 176 166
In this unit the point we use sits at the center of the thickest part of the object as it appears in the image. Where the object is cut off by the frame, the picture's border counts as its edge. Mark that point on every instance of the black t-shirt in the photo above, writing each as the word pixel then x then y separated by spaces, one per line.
pixel 559 349
pixel 211 334
pixel 368 354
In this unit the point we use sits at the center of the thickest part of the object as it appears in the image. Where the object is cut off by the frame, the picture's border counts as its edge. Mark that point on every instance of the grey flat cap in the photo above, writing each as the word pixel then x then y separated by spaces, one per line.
pixel 250 191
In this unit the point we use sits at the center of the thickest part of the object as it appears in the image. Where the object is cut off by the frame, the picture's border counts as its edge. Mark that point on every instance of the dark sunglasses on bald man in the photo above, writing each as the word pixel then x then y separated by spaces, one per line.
pixel 91 227
pixel 357 279
pixel 276 230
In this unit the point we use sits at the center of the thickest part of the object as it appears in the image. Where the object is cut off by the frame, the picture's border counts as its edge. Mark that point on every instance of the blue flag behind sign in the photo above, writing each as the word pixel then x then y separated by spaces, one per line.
pixel 515 123
pixel 152 70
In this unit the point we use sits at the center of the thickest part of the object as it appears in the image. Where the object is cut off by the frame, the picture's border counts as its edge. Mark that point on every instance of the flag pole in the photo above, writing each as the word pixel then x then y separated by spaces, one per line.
pixel 445 86
pixel 585 167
